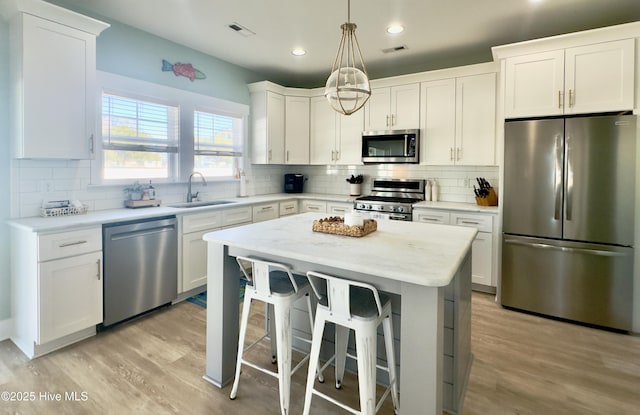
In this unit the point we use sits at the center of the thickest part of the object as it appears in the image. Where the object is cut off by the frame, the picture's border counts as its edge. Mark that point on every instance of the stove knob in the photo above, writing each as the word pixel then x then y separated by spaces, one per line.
pixel 380 208
pixel 393 209
pixel 400 209
pixel 368 207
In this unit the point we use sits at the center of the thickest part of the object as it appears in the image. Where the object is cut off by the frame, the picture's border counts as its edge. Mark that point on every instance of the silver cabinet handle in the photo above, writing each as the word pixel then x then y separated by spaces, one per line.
pixel 572 98
pixel 451 153
pixel 387 123
pixel 458 157
pixel 64 245
pixel 266 208
pixel 339 210
pixel 269 154
pixel 337 155
pixel 287 156
pixel 99 269
pixel 91 144
pixel 288 208
pixel 469 222
pixel 560 99
pixel 313 207
pixel 423 219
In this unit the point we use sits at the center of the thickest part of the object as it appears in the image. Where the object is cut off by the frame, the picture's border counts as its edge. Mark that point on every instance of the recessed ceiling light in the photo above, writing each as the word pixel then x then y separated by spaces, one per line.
pixel 298 52
pixel 395 29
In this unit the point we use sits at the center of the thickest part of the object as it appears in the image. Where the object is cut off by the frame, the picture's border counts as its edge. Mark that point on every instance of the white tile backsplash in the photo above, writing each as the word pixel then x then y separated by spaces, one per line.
pixel 37 181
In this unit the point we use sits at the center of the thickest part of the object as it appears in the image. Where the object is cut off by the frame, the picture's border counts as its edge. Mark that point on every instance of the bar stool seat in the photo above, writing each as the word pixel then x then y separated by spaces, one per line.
pixel 356 306
pixel 277 286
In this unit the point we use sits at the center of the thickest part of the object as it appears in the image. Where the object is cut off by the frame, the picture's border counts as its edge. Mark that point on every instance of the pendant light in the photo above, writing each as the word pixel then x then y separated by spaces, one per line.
pixel 348 88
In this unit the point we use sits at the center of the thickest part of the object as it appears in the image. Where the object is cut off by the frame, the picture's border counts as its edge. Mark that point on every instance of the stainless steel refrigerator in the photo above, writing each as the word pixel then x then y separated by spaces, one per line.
pixel 568 231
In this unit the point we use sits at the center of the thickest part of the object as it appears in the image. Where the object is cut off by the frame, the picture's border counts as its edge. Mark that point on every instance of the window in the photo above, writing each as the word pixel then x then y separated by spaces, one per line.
pixel 218 143
pixel 155 132
pixel 139 138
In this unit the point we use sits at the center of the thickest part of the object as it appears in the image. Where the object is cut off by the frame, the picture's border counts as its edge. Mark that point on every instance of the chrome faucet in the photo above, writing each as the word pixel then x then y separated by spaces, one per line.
pixel 190 196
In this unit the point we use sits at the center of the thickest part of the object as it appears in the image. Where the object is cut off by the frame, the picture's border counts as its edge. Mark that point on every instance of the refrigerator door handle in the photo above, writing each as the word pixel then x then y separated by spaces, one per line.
pixel 539 245
pixel 558 178
pixel 569 192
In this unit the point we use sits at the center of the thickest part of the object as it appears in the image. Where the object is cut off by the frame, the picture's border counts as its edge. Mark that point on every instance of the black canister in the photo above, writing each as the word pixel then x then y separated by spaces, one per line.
pixel 293 183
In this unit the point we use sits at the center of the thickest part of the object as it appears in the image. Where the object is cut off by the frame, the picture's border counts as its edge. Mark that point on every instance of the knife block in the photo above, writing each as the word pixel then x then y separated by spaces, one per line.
pixel 490 200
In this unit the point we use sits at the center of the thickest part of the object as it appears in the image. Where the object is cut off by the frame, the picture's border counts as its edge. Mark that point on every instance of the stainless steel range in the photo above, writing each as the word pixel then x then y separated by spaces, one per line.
pixel 392 198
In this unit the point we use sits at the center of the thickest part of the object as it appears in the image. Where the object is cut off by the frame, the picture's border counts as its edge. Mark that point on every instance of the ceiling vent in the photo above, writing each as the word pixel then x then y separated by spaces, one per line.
pixel 241 30
pixel 395 49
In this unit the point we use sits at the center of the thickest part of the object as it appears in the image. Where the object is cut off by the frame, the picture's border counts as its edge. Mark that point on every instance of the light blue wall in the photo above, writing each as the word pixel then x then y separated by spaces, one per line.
pixel 130 52
pixel 5 287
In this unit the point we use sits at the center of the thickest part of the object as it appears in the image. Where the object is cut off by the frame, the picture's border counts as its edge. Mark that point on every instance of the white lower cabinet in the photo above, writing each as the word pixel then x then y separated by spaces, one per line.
pixel 484 245
pixel 70 295
pixel 194 248
pixel 57 288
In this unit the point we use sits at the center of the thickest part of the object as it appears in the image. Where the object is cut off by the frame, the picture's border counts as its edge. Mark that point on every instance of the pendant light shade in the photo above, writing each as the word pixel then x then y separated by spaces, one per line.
pixel 348 88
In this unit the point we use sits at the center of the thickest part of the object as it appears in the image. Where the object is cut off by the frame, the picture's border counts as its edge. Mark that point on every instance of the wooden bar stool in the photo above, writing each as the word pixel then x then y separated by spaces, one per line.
pixel 277 286
pixel 356 306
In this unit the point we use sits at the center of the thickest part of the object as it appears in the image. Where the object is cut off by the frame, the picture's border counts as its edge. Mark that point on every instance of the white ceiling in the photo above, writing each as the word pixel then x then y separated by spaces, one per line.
pixel 439 33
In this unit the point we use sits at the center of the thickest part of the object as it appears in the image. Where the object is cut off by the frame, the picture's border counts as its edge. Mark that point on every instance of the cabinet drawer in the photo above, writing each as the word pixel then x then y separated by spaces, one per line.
pixel 201 221
pixel 289 207
pixel 237 216
pixel 265 212
pixel 339 208
pixel 483 223
pixel 313 206
pixel 65 244
pixel 431 216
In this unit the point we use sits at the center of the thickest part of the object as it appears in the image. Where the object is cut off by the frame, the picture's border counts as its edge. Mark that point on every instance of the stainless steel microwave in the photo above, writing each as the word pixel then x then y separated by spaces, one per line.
pixel 390 146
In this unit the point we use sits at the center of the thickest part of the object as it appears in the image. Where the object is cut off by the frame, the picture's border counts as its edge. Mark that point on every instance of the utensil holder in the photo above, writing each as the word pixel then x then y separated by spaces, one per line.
pixel 490 200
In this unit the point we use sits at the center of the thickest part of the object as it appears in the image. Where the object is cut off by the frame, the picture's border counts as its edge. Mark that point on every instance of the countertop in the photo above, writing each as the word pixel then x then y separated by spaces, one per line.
pixel 100 217
pixel 423 254
pixel 466 207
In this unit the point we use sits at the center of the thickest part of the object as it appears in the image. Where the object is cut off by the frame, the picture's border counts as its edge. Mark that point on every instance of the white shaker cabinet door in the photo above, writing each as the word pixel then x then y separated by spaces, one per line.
pixel 349 138
pixel 57 81
pixel 476 120
pixel 70 292
pixel 323 132
pixel 438 122
pixel 600 77
pixel 194 260
pixel 534 85
pixel 296 130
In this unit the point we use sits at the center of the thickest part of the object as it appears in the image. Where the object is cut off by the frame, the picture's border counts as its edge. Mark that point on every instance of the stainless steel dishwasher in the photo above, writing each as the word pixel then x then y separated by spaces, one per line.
pixel 140 267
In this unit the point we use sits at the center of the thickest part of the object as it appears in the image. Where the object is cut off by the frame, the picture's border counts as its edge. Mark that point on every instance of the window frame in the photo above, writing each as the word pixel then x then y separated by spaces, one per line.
pixel 188 102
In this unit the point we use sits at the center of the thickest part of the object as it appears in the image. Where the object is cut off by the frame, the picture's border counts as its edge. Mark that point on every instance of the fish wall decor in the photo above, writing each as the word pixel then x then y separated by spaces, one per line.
pixel 182 69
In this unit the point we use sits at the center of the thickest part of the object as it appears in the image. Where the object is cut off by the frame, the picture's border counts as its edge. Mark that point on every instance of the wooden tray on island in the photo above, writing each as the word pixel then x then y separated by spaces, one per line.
pixel 335 225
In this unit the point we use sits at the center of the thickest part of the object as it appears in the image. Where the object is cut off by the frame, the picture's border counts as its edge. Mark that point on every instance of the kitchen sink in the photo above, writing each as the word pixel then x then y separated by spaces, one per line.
pixel 200 204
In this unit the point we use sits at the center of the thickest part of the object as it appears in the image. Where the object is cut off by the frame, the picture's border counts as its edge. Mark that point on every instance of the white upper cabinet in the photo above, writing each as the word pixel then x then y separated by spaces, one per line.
pixel 458 120
pixel 296 134
pixel 53 70
pixel 593 78
pixel 267 119
pixel 600 77
pixel 280 124
pixel 396 107
pixel 334 138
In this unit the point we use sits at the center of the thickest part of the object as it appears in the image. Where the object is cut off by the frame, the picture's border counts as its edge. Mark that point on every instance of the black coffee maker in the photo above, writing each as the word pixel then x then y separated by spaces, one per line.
pixel 293 183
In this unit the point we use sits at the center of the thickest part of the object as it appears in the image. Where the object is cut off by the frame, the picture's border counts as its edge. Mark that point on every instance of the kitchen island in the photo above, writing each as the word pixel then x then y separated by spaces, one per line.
pixel 426 265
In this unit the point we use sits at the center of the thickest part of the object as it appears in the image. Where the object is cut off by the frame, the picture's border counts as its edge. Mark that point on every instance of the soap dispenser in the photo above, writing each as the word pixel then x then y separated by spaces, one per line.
pixel 435 190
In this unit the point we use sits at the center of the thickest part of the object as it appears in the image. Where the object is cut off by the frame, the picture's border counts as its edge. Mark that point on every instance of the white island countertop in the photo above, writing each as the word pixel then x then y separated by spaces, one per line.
pixel 423 254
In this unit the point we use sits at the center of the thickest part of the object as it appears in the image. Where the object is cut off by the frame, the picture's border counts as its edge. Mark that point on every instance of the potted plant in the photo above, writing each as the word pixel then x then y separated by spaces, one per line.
pixel 134 191
pixel 355 184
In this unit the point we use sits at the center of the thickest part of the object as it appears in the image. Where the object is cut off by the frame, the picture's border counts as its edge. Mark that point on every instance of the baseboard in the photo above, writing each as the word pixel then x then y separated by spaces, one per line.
pixel 6 329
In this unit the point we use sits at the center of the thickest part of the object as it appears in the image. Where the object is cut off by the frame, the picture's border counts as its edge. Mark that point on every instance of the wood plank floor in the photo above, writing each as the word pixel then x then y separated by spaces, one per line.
pixel 523 364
